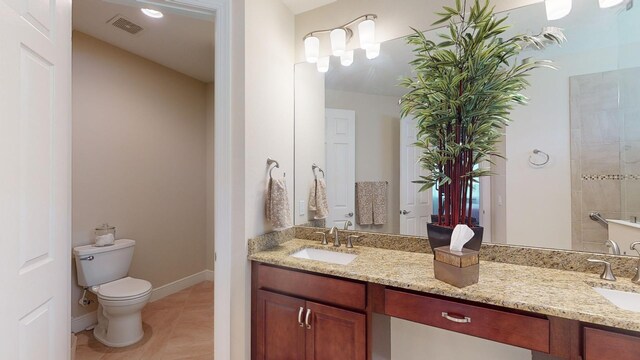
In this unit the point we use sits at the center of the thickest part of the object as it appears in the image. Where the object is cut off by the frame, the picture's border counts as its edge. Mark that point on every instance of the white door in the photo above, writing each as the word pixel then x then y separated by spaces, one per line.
pixel 35 182
pixel 415 207
pixel 341 165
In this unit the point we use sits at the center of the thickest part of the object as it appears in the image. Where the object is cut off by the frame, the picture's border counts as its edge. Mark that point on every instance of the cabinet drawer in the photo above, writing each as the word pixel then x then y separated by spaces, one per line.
pixel 319 288
pixel 514 329
pixel 602 344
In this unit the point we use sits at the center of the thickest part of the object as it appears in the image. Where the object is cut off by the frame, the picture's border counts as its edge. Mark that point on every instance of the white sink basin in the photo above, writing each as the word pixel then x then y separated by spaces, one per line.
pixel 622 299
pixel 327 256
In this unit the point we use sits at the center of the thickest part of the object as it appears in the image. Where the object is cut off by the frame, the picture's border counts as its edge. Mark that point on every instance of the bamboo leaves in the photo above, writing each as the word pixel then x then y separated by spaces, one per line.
pixel 463 91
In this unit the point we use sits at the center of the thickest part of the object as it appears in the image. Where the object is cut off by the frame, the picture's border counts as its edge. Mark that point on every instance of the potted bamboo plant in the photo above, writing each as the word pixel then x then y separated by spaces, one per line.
pixel 461 94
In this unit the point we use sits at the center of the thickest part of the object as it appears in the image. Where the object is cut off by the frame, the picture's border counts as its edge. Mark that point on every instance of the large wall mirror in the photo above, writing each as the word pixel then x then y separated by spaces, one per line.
pixel 572 153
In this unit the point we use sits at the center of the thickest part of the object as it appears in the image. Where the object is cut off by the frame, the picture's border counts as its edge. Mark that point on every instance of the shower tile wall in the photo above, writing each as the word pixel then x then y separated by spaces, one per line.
pixel 605 152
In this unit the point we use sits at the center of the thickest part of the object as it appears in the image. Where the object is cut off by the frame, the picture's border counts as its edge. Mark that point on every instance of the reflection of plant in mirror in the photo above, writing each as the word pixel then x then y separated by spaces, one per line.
pixel 461 96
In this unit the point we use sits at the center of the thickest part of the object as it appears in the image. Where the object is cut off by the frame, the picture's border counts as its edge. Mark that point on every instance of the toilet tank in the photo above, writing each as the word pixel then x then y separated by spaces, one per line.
pixel 99 265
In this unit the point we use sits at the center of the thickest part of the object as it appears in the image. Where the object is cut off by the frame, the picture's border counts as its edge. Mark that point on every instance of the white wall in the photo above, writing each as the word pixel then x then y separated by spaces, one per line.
pixel 262 125
pixel 310 126
pixel 269 84
pixel 139 152
pixel 377 146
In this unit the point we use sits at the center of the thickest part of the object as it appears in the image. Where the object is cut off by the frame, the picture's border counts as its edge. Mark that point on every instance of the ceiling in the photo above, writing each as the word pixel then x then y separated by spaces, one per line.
pixel 300 6
pixel 182 43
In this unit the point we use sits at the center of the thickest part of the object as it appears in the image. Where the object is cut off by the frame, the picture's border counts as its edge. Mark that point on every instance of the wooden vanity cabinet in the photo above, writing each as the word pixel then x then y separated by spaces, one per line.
pixel 294 316
pixel 602 344
pixel 526 331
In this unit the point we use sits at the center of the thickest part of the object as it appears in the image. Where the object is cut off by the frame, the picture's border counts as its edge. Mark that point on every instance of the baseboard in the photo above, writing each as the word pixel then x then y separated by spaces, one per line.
pixel 208 275
pixel 181 284
pixel 80 323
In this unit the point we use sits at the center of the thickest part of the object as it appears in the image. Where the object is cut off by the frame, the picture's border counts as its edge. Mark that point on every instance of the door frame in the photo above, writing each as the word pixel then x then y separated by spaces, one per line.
pixel 223 174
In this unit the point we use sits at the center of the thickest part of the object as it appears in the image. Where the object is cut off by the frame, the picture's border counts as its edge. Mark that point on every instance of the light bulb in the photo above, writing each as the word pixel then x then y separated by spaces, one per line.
pixel 312 49
pixel 338 41
pixel 152 13
pixel 557 9
pixel 367 33
pixel 373 51
pixel 346 59
pixel 609 3
pixel 323 64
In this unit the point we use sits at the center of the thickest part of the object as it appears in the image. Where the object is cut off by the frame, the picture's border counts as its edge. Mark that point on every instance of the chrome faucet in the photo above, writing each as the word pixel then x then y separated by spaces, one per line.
pixel 334 232
pixel 636 278
pixel 607 274
pixel 615 249
pixel 324 237
pixel 347 223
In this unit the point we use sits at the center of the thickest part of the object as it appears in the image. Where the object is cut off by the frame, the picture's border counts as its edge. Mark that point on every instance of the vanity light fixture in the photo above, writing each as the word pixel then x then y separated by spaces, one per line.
pixel 346 59
pixel 609 3
pixel 338 41
pixel 557 9
pixel 373 51
pixel 323 64
pixel 152 13
pixel 339 37
pixel 367 33
pixel 312 49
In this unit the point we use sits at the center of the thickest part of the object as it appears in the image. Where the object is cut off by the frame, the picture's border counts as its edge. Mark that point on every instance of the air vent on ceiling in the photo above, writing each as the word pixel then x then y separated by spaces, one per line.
pixel 123 23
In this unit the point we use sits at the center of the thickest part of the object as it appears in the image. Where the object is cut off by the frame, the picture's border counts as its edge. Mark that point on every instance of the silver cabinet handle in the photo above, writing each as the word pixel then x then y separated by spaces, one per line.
pixel 300 317
pixel 88 258
pixel 350 214
pixel 405 212
pixel 307 318
pixel 465 320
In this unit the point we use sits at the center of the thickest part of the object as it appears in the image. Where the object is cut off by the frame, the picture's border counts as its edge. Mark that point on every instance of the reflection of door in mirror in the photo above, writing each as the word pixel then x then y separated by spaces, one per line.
pixel 415 206
pixel 341 165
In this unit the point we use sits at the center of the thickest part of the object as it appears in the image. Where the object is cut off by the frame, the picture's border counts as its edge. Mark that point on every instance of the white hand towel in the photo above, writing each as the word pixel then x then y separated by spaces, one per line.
pixel 318 200
pixel 104 240
pixel 277 207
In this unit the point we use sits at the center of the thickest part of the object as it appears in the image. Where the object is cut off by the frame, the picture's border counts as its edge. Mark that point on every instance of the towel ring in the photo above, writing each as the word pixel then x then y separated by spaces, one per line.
pixel 313 168
pixel 539 152
pixel 270 162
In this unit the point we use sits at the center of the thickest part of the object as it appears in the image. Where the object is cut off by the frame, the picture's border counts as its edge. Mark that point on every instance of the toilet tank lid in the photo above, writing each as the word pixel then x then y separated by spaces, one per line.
pixel 93 250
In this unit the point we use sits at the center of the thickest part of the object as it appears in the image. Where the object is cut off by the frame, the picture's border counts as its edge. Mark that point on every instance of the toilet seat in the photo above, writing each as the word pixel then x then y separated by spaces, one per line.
pixel 124 289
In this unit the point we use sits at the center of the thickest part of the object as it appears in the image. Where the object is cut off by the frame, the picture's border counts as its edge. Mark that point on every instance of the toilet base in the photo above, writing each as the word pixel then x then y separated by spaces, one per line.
pixel 120 326
pixel 100 334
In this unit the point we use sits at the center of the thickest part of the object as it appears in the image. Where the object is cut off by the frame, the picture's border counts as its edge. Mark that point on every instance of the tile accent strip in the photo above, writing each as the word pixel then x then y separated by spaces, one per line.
pixel 617 177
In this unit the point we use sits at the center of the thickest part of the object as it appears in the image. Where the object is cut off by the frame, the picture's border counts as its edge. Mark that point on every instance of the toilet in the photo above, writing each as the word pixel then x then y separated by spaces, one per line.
pixel 103 271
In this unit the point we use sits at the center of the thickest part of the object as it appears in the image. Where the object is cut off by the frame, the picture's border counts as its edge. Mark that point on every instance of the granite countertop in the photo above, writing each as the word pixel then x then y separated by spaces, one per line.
pixel 560 293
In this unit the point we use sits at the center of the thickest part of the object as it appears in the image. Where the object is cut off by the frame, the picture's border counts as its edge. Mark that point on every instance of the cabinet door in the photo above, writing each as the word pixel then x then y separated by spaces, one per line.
pixel 279 334
pixel 335 334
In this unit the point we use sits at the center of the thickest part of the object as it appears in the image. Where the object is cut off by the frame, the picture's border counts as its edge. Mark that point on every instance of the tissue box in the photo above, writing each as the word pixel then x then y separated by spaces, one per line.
pixel 458 268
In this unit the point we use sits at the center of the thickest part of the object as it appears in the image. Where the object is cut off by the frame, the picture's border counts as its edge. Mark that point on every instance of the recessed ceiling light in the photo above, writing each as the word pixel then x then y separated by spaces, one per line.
pixel 152 13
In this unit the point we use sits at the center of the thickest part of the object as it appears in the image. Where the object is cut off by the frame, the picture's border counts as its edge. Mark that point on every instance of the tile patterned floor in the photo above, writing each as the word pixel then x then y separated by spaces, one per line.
pixel 177 327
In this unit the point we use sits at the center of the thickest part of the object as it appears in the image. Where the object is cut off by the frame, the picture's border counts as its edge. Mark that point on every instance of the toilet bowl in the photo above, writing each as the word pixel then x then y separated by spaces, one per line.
pixel 104 270
pixel 120 304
